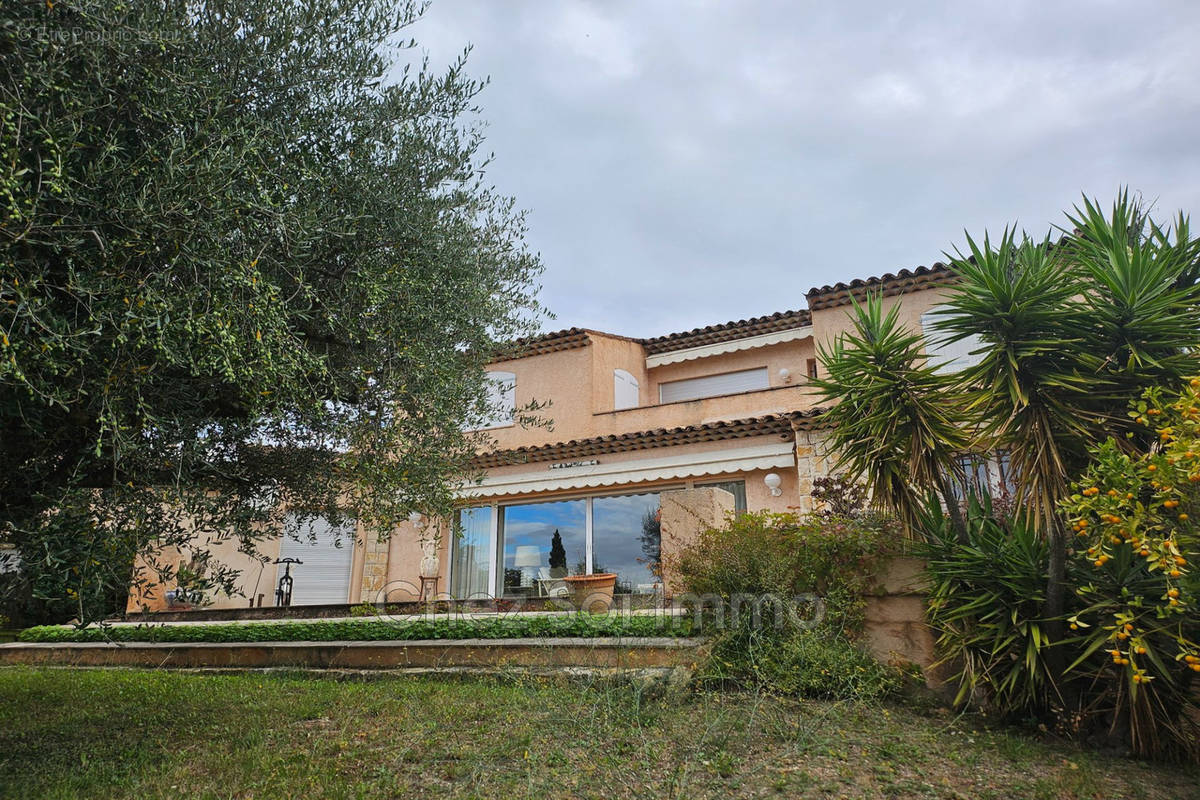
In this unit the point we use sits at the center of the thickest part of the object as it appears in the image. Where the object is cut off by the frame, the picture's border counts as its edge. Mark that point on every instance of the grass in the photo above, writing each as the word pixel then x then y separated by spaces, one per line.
pixel 142 734
pixel 499 627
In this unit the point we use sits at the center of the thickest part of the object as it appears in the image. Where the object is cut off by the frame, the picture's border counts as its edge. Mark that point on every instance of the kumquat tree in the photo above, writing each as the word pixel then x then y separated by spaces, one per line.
pixel 1136 546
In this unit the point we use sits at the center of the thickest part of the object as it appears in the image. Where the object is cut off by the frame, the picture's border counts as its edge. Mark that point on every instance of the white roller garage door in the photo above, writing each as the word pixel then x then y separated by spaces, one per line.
pixel 324 577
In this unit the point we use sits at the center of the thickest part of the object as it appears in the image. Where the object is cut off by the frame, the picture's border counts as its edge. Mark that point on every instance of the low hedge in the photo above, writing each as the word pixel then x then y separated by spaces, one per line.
pixel 575 625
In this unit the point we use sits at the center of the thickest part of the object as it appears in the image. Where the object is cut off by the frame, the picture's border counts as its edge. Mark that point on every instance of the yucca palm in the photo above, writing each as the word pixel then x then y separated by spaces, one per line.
pixel 896 422
pixel 1070 332
pixel 1141 322
pixel 1020 299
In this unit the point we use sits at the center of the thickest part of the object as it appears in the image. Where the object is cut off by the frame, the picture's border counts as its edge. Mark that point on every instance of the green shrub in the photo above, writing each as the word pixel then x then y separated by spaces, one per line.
pixel 364 610
pixel 786 556
pixel 985 606
pixel 574 625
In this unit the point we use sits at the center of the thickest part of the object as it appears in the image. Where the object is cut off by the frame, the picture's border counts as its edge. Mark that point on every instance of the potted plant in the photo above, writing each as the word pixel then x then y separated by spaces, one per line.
pixel 592 593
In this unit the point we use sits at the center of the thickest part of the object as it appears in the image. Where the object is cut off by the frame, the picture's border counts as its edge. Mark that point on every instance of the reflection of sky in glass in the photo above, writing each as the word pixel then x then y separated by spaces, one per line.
pixel 534 525
pixel 617 528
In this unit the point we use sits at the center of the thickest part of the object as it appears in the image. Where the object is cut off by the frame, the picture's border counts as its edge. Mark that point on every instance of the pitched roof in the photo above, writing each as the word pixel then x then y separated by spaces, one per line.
pixel 891 283
pixel 727 331
pixel 571 338
pixel 782 424
pixel 567 339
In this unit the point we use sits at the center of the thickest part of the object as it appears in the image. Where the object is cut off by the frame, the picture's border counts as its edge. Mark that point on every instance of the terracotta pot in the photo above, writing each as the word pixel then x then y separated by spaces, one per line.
pixel 592 593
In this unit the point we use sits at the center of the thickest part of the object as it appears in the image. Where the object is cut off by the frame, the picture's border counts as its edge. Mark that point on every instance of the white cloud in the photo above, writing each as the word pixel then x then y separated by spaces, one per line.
pixel 688 164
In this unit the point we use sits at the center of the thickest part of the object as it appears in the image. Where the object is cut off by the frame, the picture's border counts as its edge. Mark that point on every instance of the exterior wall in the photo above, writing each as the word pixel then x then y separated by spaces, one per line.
pixel 812 462
pixel 257 574
pixel 404 560
pixel 895 628
pixel 829 322
pixel 610 353
pixel 790 355
pixel 374 568
pixel 758 496
pixel 782 400
pixel 565 379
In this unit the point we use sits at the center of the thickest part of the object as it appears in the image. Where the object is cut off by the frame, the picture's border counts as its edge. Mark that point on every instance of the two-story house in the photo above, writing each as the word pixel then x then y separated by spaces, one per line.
pixel 725 405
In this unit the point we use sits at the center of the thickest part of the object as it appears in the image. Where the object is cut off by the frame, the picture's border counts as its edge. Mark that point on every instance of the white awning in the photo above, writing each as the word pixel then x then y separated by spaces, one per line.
pixel 733 346
pixel 541 478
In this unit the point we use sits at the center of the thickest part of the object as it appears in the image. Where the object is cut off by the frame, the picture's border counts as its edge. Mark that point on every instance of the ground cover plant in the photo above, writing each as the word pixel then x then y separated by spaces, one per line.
pixel 500 627
pixel 137 734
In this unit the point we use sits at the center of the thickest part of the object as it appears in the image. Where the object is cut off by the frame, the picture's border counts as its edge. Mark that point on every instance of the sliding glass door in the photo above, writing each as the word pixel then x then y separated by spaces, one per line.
pixel 541 542
pixel 525 549
pixel 626 539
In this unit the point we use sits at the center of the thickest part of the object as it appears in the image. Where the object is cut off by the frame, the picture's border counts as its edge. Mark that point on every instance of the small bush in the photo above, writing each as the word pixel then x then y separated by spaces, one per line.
pixel 766 553
pixel 815 664
pixel 786 556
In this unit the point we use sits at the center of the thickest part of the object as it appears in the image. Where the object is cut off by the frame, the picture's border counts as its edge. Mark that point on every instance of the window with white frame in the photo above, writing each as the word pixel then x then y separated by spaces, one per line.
pixel 948 356
pixel 746 380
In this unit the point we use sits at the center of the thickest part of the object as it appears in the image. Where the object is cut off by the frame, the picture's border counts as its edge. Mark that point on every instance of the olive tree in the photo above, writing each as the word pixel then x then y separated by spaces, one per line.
pixel 248 260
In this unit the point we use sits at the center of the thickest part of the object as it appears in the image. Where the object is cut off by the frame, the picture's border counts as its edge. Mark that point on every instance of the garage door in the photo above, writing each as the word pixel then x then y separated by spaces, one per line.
pixel 324 577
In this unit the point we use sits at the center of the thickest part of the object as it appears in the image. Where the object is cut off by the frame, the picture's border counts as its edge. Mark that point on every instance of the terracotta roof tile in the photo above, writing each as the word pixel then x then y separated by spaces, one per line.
pixel 727 331
pixel 890 284
pixel 782 424
pixel 571 338
pixel 567 339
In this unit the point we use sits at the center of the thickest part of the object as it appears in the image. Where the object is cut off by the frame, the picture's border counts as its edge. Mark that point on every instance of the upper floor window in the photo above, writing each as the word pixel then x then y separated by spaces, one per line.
pixel 948 356
pixel 502 399
pixel 625 390
pixel 747 380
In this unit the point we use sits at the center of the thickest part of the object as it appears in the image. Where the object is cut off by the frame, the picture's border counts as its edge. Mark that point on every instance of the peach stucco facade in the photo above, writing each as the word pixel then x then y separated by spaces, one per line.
pixel 763 440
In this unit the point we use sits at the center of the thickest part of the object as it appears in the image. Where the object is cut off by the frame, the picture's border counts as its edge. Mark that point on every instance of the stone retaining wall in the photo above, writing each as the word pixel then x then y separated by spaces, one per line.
pixel 619 653
pixel 896 631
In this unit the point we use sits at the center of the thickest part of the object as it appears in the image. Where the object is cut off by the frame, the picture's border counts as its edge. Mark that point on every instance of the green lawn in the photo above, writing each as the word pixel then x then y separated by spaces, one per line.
pixel 80 733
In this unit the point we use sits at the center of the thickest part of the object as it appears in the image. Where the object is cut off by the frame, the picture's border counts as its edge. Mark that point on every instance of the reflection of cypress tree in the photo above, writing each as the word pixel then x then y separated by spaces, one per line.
pixel 652 540
pixel 558 556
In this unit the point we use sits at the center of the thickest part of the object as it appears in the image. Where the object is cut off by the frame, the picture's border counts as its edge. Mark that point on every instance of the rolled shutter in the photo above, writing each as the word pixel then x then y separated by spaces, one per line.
pixel 748 380
pixel 324 577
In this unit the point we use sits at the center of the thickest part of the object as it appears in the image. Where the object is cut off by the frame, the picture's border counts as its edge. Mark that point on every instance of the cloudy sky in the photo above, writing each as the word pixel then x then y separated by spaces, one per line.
pixel 691 163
